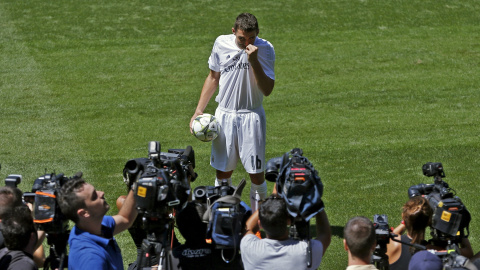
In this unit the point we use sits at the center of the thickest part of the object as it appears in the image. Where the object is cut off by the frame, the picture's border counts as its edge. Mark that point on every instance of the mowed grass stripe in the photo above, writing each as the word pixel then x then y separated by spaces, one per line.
pixel 32 118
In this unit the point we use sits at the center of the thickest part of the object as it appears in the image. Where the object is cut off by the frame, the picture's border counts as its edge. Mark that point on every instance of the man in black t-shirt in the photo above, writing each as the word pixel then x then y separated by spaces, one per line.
pixel 20 237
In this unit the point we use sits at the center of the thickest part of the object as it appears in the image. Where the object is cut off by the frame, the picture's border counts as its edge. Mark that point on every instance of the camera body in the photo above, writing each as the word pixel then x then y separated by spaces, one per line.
pixel 382 230
pixel 162 181
pixel 209 194
pixel 383 235
pixel 298 183
pixel 225 213
pixel 451 219
pixel 47 213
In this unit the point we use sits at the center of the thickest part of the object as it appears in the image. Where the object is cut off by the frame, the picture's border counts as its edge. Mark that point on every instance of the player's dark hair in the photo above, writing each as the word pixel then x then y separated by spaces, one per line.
pixel 359 234
pixel 273 216
pixel 17 228
pixel 68 199
pixel 246 22
pixel 10 197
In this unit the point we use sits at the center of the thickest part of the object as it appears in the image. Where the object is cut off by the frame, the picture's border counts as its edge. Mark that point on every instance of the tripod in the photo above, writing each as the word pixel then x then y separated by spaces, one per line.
pixel 156 247
pixel 380 258
pixel 57 257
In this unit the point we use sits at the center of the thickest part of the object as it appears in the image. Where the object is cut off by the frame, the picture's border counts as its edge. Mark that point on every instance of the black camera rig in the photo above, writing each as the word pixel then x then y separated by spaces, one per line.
pixel 451 219
pixel 225 214
pixel 161 184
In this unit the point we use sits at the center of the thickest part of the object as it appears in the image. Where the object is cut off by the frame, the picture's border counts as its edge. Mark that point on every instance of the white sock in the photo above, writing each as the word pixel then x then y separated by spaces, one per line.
pixel 257 193
pixel 218 182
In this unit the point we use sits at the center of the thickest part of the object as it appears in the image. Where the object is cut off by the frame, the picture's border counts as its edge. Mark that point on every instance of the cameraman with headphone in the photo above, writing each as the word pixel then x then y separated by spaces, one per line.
pixel 278 250
pixel 297 201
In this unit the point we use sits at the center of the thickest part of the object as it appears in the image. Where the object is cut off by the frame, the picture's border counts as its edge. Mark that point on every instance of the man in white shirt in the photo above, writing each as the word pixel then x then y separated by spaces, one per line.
pixel 279 251
pixel 242 67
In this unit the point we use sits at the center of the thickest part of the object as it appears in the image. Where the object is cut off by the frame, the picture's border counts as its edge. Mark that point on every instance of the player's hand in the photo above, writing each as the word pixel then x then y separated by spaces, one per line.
pixel 193 118
pixel 252 52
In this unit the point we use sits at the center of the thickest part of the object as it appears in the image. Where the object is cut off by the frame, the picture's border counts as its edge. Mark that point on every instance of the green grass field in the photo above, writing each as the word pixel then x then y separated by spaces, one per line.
pixel 370 90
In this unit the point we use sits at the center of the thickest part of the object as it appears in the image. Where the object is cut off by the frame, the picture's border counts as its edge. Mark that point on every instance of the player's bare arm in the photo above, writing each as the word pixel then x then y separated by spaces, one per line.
pixel 265 83
pixel 208 89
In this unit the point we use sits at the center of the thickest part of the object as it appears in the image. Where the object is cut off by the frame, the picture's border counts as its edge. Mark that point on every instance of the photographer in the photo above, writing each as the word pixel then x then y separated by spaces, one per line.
pixel 20 237
pixel 278 250
pixel 92 245
pixel 449 226
pixel 416 216
pixel 359 241
pixel 11 197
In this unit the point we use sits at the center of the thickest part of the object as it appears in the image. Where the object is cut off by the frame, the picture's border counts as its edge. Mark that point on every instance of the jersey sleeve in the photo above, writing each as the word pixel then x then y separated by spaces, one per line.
pixel 267 60
pixel 213 60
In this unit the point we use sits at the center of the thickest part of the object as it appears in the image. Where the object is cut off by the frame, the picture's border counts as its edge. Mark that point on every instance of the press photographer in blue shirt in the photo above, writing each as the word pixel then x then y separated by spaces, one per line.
pixel 92 245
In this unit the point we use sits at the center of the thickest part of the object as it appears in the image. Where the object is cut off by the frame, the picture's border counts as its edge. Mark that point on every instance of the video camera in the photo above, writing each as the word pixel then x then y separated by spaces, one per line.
pixel 46 211
pixel 297 182
pixel 450 216
pixel 162 180
pixel 209 194
pixel 161 184
pixel 225 214
pixel 383 234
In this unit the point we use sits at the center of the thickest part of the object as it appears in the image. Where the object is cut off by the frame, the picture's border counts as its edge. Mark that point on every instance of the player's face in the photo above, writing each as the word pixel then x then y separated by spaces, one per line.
pixel 95 201
pixel 243 39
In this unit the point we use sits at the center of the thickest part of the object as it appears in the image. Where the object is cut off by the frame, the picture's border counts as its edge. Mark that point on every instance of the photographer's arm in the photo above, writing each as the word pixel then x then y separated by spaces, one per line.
pixel 252 226
pixel 466 248
pixel 400 229
pixel 39 254
pixel 127 214
pixel 324 232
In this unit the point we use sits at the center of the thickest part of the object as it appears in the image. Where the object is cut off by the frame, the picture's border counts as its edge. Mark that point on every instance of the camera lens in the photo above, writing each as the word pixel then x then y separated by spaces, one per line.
pixel 200 193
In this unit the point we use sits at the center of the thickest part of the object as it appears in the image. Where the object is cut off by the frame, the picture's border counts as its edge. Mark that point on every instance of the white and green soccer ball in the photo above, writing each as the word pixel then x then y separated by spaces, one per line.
pixel 205 127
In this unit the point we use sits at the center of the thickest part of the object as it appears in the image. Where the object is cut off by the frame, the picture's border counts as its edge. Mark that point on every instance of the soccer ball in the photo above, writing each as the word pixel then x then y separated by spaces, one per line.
pixel 205 127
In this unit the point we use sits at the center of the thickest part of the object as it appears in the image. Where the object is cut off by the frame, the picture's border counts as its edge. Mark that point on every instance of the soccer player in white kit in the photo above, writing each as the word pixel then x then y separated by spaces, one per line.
pixel 242 67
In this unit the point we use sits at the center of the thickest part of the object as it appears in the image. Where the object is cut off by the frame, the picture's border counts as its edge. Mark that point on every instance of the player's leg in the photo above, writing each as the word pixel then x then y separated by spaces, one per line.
pixel 223 176
pixel 252 153
pixel 258 189
pixel 224 155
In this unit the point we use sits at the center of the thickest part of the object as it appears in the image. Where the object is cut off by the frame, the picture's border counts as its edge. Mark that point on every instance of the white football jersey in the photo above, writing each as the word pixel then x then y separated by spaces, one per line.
pixel 238 88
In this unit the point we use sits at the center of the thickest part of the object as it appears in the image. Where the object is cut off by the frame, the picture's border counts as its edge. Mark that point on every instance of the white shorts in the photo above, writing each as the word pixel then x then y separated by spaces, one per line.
pixel 242 137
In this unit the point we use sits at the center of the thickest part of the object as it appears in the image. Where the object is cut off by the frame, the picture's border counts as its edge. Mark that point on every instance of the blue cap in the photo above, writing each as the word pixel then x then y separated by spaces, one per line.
pixel 424 260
